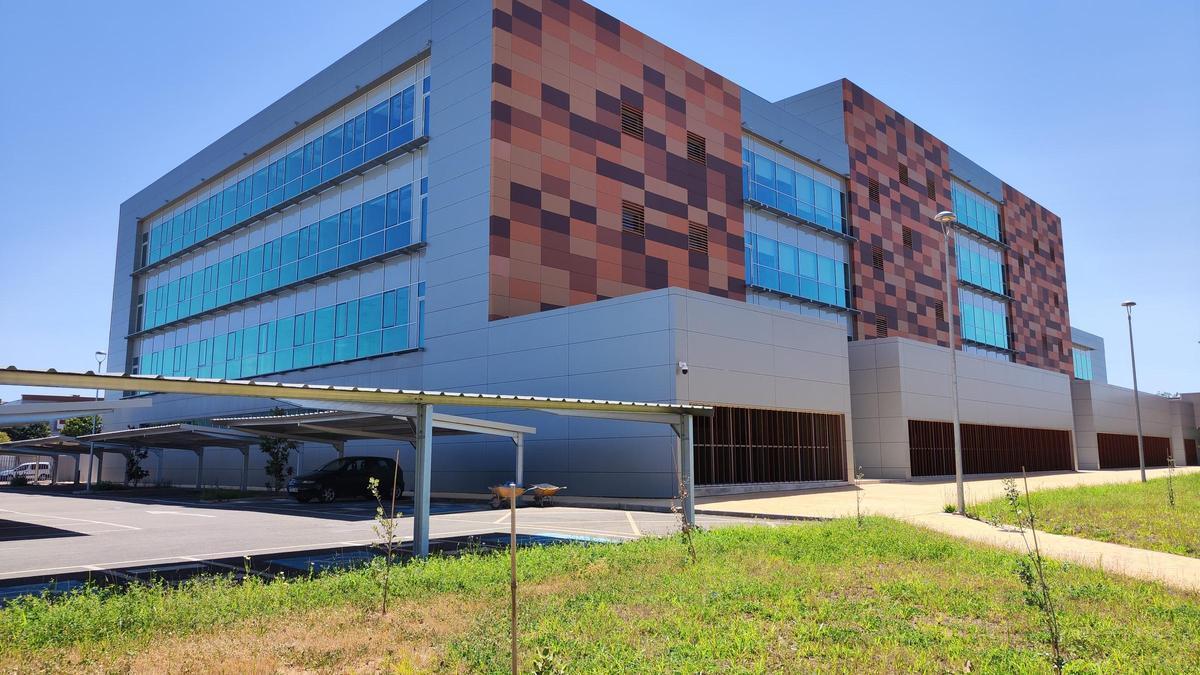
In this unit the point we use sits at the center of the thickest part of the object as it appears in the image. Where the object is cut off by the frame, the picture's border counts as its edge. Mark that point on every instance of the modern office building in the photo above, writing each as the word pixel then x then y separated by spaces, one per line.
pixel 533 197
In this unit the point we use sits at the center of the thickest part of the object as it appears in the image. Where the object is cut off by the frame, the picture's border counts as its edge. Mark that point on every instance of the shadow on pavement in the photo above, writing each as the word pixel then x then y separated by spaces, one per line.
pixel 16 530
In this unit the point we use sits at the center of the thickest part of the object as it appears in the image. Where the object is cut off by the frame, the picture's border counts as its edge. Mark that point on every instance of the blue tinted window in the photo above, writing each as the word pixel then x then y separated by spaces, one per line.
pixel 794 187
pixel 795 271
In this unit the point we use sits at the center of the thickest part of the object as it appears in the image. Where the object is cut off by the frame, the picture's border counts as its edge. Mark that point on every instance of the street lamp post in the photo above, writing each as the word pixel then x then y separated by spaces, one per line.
pixel 100 356
pixel 945 218
pixel 1137 404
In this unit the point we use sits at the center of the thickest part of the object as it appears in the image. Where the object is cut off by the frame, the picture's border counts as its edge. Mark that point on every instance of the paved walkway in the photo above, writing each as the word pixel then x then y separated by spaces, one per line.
pixel 922 502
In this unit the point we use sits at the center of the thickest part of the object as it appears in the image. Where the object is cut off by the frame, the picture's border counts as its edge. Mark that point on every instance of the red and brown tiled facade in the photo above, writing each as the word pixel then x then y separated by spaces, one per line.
pixel 562 168
pixel 1037 276
pixel 904 294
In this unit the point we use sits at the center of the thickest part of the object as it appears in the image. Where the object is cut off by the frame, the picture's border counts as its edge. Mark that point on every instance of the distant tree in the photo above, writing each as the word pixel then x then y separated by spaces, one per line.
pixel 28 431
pixel 82 426
pixel 278 451
pixel 4 438
pixel 134 472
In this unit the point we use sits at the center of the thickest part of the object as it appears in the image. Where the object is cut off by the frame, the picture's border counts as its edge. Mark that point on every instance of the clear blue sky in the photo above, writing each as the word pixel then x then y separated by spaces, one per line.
pixel 1091 109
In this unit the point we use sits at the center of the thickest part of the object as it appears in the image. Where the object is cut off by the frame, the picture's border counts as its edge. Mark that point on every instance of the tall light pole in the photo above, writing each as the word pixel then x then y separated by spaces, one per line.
pixel 100 356
pixel 945 218
pixel 1137 404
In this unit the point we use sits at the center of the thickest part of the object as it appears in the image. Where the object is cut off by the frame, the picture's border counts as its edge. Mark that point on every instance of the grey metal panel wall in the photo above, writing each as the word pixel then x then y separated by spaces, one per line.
pixel 976 176
pixel 821 107
pixel 1096 343
pixel 774 123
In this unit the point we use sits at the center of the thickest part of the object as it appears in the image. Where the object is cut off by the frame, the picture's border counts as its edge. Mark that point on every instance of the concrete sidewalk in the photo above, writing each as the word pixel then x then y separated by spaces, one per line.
pixel 922 502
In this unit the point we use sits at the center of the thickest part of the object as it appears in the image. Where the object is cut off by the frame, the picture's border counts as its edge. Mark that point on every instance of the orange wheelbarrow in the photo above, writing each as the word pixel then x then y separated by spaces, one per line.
pixel 542 494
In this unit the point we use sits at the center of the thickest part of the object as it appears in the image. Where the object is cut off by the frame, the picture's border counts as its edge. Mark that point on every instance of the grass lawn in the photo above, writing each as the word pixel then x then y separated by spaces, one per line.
pixel 1135 514
pixel 831 596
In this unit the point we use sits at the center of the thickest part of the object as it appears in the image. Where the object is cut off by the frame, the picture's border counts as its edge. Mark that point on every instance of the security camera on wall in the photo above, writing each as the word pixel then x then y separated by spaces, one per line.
pixel 683 367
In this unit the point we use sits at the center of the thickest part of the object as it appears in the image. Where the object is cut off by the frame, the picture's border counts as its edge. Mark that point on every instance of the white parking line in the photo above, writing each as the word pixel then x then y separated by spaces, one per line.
pixel 633 524
pixel 181 513
pixel 78 520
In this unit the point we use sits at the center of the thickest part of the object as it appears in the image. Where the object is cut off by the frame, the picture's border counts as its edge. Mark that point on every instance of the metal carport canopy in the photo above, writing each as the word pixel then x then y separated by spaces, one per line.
pixel 677 415
pixel 373 421
pixel 55 446
pixel 190 437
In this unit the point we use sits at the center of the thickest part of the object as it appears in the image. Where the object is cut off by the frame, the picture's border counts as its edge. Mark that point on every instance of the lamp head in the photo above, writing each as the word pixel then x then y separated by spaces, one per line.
pixel 945 217
pixel 1128 303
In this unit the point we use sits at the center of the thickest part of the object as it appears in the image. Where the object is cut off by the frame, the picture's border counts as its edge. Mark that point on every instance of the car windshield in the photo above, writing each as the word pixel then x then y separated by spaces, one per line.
pixel 337 465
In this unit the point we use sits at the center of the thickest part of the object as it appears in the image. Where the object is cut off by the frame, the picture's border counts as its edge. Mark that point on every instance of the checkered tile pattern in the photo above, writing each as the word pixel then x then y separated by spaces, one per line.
pixel 905 290
pixel 561 165
pixel 1034 310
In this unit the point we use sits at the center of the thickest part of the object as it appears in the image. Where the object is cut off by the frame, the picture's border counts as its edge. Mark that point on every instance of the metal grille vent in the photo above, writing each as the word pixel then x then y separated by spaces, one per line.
pixel 632 121
pixel 907 234
pixel 697 148
pixel 881 327
pixel 903 174
pixel 939 310
pixel 873 190
pixel 697 237
pixel 633 218
pixel 876 257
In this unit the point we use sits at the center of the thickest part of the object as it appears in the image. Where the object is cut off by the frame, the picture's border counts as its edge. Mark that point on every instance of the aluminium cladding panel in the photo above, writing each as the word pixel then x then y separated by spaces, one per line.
pixel 820 107
pixel 775 123
pixel 619 348
pixel 1113 410
pixel 1183 428
pixel 976 176
pixel 894 380
pixel 629 348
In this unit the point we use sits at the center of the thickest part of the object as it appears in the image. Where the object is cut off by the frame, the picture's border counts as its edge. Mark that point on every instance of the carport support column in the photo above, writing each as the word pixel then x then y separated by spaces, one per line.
pixel 423 443
pixel 245 467
pixel 520 441
pixel 687 476
pixel 200 468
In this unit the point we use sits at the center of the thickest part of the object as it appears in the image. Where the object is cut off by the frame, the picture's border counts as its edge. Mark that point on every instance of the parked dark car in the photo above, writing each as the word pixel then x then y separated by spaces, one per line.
pixel 346 477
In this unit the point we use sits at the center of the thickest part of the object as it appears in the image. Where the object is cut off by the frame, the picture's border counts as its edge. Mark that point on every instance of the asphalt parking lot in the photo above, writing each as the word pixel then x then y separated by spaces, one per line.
pixel 46 536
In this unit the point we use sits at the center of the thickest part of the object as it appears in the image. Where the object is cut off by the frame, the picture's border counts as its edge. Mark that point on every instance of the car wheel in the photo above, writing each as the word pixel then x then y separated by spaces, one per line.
pixel 44 477
pixel 328 494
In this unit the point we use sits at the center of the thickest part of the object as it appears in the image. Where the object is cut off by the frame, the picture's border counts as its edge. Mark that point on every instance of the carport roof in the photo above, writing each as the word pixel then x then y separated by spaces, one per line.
pixel 332 393
pixel 174 436
pixel 336 426
pixel 56 444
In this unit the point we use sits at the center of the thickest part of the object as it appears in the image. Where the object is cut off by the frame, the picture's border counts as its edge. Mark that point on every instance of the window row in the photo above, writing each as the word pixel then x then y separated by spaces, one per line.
pixel 1082 357
pixel 384 127
pixel 378 226
pixel 984 320
pixel 383 323
pixel 794 271
pixel 979 263
pixel 793 187
pixel 976 211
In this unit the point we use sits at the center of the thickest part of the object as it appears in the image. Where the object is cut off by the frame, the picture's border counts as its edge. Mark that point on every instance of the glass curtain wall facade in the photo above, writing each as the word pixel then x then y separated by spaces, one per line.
pixel 976 211
pixel 269 285
pixel 1082 356
pixel 792 257
pixel 387 126
pixel 780 180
